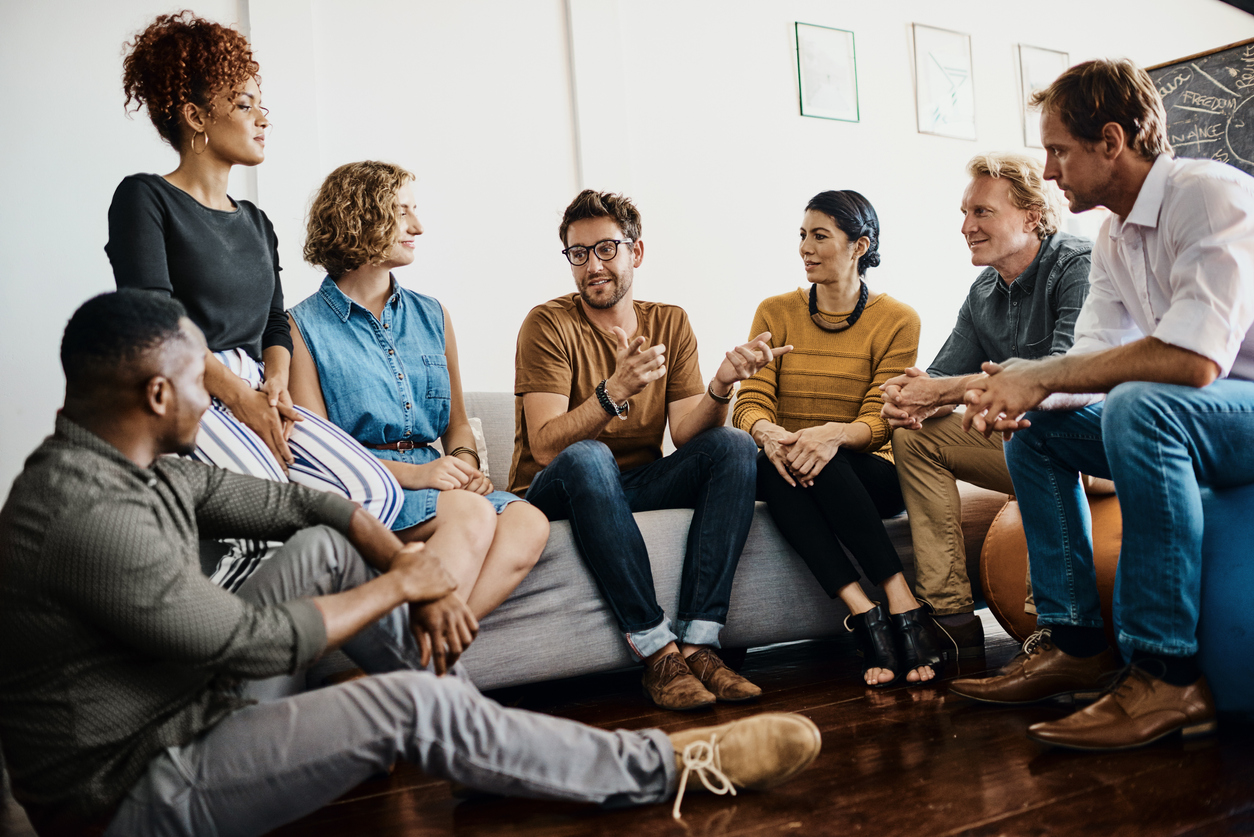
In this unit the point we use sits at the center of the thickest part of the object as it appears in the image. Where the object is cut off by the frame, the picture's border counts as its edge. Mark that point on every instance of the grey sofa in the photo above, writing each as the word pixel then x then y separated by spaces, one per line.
pixel 557 625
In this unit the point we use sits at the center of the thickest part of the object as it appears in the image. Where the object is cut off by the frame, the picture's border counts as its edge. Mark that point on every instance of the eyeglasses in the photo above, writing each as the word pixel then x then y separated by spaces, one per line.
pixel 606 250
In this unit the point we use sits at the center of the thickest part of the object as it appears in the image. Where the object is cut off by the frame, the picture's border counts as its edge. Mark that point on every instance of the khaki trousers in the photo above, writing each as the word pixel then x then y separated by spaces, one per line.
pixel 930 462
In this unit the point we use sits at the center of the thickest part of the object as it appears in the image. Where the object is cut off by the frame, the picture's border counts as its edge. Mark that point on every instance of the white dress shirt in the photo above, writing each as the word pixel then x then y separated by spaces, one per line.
pixel 1179 268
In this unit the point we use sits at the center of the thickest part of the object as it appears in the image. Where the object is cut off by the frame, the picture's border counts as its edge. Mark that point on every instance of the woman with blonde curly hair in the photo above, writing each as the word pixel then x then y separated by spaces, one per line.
pixel 381 362
pixel 181 234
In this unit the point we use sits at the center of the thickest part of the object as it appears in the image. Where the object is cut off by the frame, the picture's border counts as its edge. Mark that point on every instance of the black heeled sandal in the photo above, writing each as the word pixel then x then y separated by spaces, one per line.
pixel 916 643
pixel 875 643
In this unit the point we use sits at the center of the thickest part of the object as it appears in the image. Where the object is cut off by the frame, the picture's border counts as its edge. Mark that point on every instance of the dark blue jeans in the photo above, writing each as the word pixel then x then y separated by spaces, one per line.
pixel 713 475
pixel 1159 442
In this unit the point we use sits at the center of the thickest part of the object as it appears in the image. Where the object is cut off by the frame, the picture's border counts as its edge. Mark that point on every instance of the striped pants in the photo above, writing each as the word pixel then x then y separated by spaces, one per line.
pixel 327 459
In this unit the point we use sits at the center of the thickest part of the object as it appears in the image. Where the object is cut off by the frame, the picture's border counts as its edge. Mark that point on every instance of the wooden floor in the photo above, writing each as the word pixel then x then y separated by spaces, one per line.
pixel 901 761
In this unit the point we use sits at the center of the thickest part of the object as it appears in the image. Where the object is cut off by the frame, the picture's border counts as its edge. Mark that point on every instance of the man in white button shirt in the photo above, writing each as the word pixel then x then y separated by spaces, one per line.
pixel 1165 335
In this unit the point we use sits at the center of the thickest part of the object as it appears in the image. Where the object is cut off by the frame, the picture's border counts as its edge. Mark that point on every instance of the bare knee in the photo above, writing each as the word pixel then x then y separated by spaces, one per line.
pixel 527 530
pixel 471 515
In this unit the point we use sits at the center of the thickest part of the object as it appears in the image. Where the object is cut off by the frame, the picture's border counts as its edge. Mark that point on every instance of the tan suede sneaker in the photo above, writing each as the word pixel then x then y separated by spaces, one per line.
pixel 720 680
pixel 1140 710
pixel 1039 673
pixel 671 685
pixel 757 753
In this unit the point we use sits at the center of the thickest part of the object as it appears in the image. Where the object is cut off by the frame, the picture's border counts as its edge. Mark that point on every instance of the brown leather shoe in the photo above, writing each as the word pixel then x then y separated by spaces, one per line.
pixel 720 680
pixel 1141 709
pixel 671 685
pixel 758 752
pixel 1041 672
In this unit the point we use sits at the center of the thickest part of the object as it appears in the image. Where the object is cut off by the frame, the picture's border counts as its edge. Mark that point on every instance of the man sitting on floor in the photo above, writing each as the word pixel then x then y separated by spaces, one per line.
pixel 124 703
pixel 598 378
pixel 1166 333
pixel 1023 305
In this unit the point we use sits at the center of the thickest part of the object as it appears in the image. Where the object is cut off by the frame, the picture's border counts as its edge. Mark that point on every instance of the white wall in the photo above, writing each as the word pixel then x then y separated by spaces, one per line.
pixel 689 107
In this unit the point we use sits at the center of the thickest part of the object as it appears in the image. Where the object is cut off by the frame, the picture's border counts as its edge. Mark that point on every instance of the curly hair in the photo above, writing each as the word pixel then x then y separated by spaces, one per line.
pixel 1028 189
pixel 593 204
pixel 181 58
pixel 353 218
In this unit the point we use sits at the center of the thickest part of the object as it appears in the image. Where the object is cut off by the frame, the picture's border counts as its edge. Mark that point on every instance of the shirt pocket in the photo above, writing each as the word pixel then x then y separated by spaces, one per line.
pixel 1038 348
pixel 438 386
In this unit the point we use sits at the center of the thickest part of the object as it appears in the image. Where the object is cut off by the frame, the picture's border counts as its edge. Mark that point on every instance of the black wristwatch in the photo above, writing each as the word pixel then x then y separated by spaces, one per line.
pixel 607 403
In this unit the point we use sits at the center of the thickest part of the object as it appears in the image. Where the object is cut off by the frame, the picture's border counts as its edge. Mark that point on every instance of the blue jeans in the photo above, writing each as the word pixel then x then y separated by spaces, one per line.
pixel 1159 443
pixel 714 475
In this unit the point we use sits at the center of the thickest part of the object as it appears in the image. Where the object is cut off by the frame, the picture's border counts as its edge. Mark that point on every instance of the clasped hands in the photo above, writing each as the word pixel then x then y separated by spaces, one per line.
pixel 449 472
pixel 996 400
pixel 801 455
pixel 270 414
pixel 442 623
pixel 635 367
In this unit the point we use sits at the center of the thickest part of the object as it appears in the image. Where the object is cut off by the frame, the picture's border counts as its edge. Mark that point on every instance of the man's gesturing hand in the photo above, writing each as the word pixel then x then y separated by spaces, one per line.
pixel 635 367
pixel 745 361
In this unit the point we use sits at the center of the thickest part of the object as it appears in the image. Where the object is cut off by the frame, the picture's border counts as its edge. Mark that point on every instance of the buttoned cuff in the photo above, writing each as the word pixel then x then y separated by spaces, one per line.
pixel 1194 325
pixel 310 629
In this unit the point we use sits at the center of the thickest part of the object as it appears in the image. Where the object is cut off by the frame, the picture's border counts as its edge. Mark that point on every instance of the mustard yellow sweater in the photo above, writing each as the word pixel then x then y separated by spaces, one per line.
pixel 828 376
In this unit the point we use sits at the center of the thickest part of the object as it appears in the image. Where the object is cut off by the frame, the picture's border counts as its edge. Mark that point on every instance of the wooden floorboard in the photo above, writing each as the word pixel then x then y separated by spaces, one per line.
pixel 907 760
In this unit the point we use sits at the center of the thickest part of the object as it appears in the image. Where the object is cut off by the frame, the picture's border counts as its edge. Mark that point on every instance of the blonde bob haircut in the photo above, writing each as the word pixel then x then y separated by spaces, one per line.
pixel 1028 189
pixel 353 218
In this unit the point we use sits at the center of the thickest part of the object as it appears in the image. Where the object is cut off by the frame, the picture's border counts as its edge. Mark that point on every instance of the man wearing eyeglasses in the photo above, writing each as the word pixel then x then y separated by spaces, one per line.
pixel 598 377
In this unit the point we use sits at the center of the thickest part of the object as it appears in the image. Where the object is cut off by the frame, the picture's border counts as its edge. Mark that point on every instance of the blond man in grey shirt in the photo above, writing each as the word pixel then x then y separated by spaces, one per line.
pixel 1024 304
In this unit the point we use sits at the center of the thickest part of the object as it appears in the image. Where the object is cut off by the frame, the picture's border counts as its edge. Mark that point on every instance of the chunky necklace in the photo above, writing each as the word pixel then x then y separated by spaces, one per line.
pixel 828 325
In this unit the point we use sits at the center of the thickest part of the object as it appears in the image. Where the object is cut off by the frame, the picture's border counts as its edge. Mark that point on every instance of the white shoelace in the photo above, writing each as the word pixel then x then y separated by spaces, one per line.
pixel 701 758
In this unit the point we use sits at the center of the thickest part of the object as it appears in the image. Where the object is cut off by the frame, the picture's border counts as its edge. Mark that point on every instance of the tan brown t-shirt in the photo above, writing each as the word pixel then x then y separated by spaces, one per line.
pixel 561 351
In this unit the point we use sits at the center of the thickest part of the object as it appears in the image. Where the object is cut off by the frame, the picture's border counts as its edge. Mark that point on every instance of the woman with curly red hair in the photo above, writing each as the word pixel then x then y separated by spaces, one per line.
pixel 183 235
pixel 381 362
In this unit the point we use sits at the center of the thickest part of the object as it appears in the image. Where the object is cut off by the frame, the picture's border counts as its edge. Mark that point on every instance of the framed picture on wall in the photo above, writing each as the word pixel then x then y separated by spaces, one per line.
pixel 1037 70
pixel 944 92
pixel 827 72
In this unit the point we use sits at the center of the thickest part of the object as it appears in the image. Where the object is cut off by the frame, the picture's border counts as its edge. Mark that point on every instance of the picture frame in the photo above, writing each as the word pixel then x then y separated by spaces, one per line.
pixel 944 87
pixel 827 72
pixel 1038 67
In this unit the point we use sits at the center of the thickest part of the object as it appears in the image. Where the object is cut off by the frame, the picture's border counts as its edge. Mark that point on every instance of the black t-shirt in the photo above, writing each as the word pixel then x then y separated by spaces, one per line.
pixel 223 266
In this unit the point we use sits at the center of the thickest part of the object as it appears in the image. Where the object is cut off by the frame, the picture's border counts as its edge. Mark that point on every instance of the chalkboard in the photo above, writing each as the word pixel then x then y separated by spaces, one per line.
pixel 1209 99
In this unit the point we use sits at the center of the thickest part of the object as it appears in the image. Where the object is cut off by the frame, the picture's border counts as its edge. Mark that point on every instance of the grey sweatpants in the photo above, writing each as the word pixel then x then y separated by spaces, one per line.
pixel 276 761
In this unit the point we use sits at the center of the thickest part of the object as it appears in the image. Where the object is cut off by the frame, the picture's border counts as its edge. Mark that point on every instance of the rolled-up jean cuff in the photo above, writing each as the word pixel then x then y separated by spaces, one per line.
pixel 643 643
pixel 698 632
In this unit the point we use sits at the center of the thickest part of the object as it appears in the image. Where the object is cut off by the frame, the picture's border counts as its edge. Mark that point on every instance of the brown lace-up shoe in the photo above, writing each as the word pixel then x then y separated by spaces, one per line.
pixel 718 679
pixel 757 753
pixel 671 685
pixel 1041 672
pixel 1139 710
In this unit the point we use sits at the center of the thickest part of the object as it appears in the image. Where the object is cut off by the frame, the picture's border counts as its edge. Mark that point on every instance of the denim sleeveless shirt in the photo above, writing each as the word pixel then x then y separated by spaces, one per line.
pixel 385 380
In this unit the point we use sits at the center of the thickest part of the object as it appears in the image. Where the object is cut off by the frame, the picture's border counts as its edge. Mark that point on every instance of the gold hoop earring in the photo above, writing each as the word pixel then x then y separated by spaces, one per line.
pixel 193 142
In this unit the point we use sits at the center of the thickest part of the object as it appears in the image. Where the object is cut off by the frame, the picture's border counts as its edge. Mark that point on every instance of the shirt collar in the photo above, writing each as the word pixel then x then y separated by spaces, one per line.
pixel 1149 200
pixel 74 433
pixel 340 302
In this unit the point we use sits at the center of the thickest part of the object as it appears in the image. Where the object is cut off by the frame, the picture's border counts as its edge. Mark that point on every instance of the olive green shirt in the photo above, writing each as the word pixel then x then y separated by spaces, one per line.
pixel 113 644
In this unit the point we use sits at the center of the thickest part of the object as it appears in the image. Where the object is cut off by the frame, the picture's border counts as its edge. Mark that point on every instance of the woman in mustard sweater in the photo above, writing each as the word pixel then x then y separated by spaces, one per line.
pixel 826 470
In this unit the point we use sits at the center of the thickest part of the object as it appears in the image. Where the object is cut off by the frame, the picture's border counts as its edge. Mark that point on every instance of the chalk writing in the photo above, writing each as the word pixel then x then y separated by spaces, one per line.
pixel 1191 97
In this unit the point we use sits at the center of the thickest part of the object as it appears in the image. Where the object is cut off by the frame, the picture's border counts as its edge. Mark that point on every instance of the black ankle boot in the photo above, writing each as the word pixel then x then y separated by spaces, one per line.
pixel 916 641
pixel 875 643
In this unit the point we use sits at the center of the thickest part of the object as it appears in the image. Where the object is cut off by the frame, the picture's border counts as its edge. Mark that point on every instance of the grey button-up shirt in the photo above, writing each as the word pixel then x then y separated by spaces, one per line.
pixel 113 644
pixel 1032 317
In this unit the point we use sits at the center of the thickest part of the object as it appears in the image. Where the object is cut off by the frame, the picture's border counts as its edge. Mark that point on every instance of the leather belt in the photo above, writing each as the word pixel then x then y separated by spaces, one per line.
pixel 403 445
